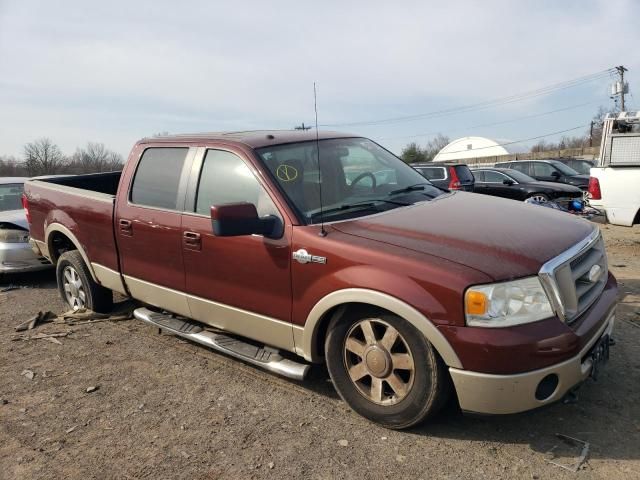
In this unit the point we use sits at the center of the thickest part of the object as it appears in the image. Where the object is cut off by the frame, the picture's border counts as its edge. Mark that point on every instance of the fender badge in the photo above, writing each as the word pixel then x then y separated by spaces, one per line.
pixel 302 256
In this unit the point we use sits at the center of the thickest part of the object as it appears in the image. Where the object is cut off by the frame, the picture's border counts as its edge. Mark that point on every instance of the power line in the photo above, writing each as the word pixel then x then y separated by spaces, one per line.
pixel 571 107
pixel 522 140
pixel 486 104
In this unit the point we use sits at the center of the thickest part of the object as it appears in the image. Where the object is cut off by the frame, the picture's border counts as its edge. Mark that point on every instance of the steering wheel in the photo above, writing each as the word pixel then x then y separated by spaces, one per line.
pixel 363 175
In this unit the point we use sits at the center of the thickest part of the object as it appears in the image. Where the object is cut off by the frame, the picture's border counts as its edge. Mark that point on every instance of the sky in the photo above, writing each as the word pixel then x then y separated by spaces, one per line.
pixel 114 72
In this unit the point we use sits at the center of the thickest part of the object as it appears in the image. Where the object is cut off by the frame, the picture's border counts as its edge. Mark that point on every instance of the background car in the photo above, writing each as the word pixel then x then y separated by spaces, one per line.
pixel 456 176
pixel 549 171
pixel 510 183
pixel 16 254
pixel 578 164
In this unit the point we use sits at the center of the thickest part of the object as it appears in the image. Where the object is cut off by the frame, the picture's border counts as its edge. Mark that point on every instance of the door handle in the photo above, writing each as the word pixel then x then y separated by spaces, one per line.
pixel 192 240
pixel 125 227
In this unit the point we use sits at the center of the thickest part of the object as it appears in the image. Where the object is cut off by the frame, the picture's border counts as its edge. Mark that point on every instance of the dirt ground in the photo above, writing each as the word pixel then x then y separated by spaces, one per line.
pixel 165 408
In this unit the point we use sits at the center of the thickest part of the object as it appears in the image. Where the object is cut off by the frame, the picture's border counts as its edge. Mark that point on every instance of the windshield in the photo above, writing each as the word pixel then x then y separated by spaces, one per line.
pixel 581 166
pixel 10 196
pixel 519 176
pixel 357 178
pixel 564 169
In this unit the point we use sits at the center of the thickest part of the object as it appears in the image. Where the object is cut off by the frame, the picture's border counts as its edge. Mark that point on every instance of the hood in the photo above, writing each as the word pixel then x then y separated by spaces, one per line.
pixel 17 217
pixel 557 186
pixel 499 237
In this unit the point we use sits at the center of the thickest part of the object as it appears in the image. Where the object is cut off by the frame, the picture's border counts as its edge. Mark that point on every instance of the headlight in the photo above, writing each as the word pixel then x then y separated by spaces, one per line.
pixel 507 303
pixel 14 236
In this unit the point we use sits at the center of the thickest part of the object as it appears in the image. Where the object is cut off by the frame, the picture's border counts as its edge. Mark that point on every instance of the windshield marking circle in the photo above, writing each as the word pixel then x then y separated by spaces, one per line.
pixel 286 173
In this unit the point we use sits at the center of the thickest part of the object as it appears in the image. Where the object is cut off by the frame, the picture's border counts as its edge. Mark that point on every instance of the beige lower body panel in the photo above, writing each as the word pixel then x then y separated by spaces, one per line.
pixel 267 330
pixel 505 394
pixel 108 278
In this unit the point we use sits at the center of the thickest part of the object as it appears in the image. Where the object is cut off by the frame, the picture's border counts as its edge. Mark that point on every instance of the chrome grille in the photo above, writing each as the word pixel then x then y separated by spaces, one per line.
pixel 572 280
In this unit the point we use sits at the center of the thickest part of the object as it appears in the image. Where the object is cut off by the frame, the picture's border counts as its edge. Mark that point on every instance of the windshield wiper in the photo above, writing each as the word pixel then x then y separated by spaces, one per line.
pixel 410 188
pixel 363 204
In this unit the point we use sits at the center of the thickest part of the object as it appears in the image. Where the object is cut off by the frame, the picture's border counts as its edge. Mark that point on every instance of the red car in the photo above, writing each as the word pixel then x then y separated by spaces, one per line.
pixel 282 250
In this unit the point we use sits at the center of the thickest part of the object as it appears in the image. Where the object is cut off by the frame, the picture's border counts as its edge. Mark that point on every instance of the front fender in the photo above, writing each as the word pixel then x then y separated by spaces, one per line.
pixel 305 338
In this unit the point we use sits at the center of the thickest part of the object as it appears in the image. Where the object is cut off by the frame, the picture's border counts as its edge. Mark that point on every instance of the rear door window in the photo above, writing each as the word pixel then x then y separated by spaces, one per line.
pixel 479 175
pixel 494 177
pixel 521 167
pixel 542 169
pixel 157 178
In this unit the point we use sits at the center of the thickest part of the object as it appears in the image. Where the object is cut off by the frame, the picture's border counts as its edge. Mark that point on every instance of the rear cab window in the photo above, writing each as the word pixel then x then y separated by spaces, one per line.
pixel 157 178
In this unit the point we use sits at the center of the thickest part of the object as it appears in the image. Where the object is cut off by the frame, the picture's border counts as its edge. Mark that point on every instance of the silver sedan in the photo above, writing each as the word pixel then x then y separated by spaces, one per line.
pixel 16 254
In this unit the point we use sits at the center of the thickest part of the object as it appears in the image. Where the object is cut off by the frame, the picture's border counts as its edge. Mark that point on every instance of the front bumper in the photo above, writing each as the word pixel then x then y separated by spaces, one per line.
pixel 504 394
pixel 20 257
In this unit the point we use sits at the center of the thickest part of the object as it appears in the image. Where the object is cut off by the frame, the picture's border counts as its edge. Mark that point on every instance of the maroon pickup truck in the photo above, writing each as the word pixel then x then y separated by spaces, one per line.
pixel 281 249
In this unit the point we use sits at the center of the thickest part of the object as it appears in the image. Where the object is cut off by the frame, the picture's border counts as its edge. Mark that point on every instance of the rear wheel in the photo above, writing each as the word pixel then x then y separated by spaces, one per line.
pixel 76 286
pixel 385 369
pixel 539 197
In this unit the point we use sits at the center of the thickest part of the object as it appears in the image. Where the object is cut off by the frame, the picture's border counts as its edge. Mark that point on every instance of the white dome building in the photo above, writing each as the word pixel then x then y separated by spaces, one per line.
pixel 473 147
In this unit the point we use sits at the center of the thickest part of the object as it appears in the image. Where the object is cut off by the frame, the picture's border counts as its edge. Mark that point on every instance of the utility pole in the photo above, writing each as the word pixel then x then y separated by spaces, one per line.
pixel 591 134
pixel 621 71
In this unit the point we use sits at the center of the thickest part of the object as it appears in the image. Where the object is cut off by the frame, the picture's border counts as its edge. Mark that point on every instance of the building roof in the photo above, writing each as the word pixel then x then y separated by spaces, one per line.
pixel 472 147
pixel 250 138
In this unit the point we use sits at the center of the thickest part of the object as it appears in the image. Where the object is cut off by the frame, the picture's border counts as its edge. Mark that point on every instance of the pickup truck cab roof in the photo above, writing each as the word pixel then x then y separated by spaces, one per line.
pixel 332 249
pixel 249 138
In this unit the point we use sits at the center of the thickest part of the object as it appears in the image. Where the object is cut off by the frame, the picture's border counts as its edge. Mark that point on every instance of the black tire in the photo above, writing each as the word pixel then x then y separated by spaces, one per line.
pixel 96 297
pixel 430 384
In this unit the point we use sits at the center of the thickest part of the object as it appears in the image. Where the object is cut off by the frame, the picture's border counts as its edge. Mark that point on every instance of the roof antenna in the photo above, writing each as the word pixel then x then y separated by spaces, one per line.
pixel 323 232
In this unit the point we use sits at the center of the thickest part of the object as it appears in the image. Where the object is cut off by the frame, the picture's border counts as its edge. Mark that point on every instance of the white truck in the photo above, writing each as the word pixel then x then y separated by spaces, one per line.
pixel 614 185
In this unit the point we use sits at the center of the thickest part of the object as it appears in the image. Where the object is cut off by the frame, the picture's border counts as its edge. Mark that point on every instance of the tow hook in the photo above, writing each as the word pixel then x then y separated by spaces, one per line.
pixel 570 397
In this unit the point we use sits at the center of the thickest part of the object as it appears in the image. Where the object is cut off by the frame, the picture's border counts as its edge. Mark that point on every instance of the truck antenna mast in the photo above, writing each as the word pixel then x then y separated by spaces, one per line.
pixel 323 232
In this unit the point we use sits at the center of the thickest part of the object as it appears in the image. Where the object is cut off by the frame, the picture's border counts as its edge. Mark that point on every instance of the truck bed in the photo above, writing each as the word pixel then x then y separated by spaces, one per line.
pixel 78 207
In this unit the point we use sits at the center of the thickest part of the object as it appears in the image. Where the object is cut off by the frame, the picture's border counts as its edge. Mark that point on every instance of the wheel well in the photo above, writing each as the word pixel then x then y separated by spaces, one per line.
pixel 59 243
pixel 336 313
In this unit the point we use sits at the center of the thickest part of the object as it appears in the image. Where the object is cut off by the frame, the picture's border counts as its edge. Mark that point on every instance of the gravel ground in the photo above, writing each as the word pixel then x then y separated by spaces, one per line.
pixel 164 408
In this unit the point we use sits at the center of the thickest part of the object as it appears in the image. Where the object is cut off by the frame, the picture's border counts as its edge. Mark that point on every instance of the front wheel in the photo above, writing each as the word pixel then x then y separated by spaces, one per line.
pixel 76 286
pixel 385 369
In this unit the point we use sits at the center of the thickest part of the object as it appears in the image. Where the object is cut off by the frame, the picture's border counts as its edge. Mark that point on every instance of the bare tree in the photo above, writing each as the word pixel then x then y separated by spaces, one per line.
pixel 434 145
pixel 11 167
pixel 95 157
pixel 43 157
pixel 414 153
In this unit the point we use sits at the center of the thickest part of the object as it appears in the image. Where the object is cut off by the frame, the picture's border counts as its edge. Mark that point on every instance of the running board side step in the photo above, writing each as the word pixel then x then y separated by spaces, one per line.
pixel 265 357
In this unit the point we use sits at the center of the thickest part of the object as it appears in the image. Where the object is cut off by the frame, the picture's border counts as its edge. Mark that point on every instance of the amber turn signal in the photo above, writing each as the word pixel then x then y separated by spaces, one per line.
pixel 475 303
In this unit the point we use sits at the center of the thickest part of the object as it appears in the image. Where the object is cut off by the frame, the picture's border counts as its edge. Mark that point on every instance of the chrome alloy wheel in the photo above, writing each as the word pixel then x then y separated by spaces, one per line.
pixel 378 361
pixel 73 288
pixel 539 198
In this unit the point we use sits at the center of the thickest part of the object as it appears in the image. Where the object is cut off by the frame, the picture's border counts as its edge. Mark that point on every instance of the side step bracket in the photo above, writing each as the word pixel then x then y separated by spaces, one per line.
pixel 265 357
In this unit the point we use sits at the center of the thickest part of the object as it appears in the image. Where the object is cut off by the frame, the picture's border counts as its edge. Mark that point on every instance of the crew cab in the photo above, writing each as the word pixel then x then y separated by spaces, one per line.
pixel 259 245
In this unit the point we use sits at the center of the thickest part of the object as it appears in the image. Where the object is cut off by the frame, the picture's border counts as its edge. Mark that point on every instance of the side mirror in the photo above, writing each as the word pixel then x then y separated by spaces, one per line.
pixel 237 219
pixel 507 181
pixel 555 175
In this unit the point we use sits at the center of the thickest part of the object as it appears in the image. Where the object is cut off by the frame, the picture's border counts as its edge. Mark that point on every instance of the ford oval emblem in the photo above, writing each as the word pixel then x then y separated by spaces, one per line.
pixel 594 273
